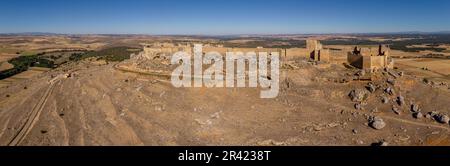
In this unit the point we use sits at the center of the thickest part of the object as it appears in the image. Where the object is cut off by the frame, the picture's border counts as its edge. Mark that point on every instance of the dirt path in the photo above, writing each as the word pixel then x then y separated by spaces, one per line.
pixel 415 123
pixel 33 118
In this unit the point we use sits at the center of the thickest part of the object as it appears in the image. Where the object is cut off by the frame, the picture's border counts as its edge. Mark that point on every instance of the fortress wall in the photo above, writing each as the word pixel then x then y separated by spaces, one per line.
pixel 338 56
pixel 292 53
pixel 369 51
pixel 380 62
pixel 377 62
pixel 287 54
pixel 366 62
pixel 223 50
pixel 326 55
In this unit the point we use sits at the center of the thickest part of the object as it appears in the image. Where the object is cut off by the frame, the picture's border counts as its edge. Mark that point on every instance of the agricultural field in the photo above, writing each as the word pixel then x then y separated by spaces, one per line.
pixel 431 68
pixel 30 73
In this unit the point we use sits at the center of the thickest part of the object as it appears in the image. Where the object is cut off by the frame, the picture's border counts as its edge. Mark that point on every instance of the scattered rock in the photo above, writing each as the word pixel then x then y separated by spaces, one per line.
pixel 415 108
pixel 360 73
pixel 354 131
pixel 358 106
pixel 358 95
pixel 391 81
pixel 360 142
pixel 44 131
pixel 393 74
pixel 159 107
pixel 396 110
pixel 271 143
pixel 426 81
pixel 317 128
pixel 389 91
pixel 8 96
pixel 138 88
pixel 344 80
pixel 381 143
pixel 400 100
pixel 216 115
pixel 441 118
pixel 371 87
pixel 428 116
pixel 333 124
pixel 385 100
pixel 206 122
pixel 417 115
pixel 375 110
pixel 377 123
pixel 162 94
pixel 401 74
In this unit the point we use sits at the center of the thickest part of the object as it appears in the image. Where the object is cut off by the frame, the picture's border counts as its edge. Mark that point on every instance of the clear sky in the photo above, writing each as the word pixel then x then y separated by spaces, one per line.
pixel 222 17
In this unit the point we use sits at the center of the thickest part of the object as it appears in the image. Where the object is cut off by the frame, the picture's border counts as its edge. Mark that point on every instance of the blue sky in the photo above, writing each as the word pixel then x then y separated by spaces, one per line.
pixel 222 17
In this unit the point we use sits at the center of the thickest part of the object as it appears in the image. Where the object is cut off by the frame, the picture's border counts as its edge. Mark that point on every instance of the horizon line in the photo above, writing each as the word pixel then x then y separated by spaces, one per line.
pixel 243 34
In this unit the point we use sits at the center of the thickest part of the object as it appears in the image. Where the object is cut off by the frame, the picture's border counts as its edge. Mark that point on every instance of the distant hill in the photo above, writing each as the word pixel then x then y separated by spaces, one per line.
pixel 30 34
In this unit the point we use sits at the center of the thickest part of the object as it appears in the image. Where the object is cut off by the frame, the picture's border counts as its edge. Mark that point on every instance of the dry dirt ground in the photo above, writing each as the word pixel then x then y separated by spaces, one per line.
pixel 30 73
pixel 434 69
pixel 5 66
pixel 90 104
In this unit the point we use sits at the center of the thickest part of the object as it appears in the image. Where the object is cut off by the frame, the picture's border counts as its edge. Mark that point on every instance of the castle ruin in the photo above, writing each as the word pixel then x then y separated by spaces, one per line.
pixel 371 58
pixel 367 58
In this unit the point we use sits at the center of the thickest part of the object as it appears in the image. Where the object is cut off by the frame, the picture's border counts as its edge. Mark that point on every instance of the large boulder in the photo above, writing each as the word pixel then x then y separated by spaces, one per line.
pixel 389 91
pixel 371 87
pixel 358 95
pixel 385 100
pixel 417 115
pixel 400 100
pixel 415 108
pixel 441 118
pixel 377 123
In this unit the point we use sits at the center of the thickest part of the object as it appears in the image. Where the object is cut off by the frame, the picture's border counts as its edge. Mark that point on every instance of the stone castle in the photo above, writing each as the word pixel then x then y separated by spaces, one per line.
pixel 362 58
